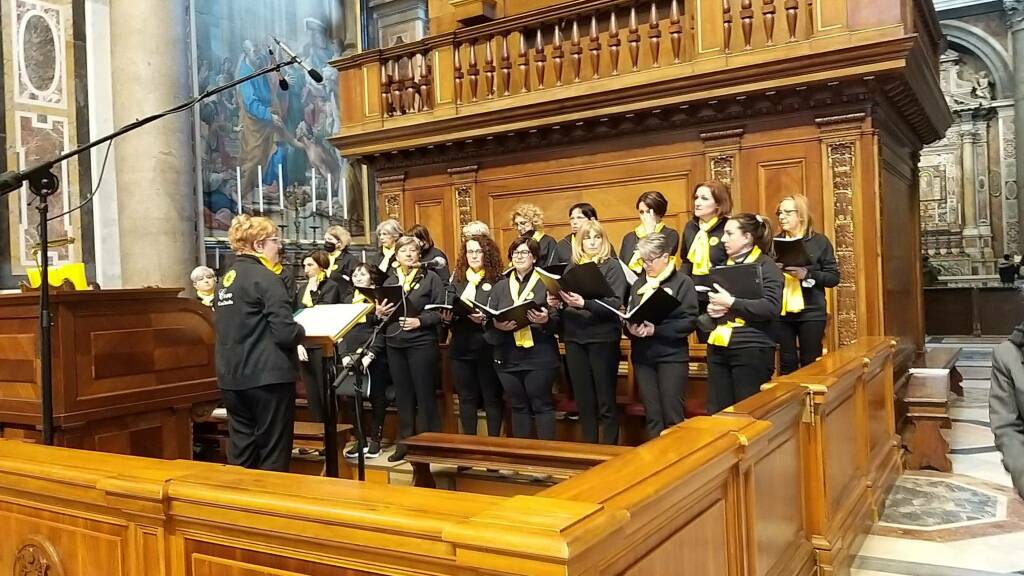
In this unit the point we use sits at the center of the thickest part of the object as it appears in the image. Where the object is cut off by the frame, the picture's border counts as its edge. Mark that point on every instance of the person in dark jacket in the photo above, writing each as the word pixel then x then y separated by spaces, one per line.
pixel 652 207
pixel 430 253
pixel 375 363
pixel 528 221
pixel 257 362
pixel 204 280
pixel 702 246
pixel 526 356
pixel 319 289
pixel 592 334
pixel 388 232
pixel 472 357
pixel 741 350
pixel 413 351
pixel 1006 405
pixel 1008 270
pixel 801 326
pixel 578 214
pixel 660 352
pixel 336 242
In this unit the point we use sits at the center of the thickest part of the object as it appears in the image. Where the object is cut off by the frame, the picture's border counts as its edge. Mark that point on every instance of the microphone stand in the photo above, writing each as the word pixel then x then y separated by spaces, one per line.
pixel 43 183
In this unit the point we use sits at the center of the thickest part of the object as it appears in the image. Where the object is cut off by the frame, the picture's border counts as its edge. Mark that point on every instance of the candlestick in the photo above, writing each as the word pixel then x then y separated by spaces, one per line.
pixel 238 177
pixel 330 196
pixel 259 177
pixel 280 185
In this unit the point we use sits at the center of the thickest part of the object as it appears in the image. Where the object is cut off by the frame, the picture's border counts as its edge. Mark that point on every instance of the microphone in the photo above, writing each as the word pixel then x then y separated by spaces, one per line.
pixel 282 83
pixel 434 264
pixel 314 74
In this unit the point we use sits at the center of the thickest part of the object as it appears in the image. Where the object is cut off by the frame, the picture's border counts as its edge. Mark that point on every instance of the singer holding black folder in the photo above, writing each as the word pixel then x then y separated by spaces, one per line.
pixel 702 246
pixel 592 334
pixel 741 350
pixel 472 358
pixel 413 352
pixel 374 363
pixel 526 356
pixel 801 326
pixel 660 351
pixel 651 206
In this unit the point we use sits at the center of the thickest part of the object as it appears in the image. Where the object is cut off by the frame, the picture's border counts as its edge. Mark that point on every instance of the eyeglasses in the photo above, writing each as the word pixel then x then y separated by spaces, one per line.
pixel 782 212
pixel 273 239
pixel 521 254
pixel 208 277
pixel 474 252
pixel 652 260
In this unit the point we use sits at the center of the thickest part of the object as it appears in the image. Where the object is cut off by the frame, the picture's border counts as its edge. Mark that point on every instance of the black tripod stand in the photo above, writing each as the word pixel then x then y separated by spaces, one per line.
pixel 43 183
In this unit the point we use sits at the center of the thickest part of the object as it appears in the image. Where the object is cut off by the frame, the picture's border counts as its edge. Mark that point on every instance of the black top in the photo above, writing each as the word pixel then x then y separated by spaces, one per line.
pixel 328 292
pixel 758 314
pixel 548 250
pixel 256 333
pixel 360 334
pixel 593 322
pixel 375 261
pixel 718 255
pixel 444 273
pixel 427 288
pixel 669 342
pixel 509 357
pixel 825 274
pixel 629 243
pixel 467 336
pixel 342 274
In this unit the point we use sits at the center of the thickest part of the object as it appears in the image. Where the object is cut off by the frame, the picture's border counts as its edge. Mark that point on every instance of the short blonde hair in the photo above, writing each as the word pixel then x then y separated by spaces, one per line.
pixel 587 228
pixel 247 230
pixel 341 234
pixel 654 245
pixel 529 212
pixel 391 227
pixel 200 272
pixel 803 211
pixel 404 241
pixel 476 228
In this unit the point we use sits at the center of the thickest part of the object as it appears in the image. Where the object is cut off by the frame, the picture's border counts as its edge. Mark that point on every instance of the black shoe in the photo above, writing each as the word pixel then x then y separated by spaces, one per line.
pixel 373 450
pixel 353 452
pixel 399 454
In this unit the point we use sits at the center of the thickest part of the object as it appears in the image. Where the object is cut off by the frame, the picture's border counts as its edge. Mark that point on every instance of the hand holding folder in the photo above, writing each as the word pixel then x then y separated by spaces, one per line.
pixel 653 309
pixel 584 279
pixel 741 280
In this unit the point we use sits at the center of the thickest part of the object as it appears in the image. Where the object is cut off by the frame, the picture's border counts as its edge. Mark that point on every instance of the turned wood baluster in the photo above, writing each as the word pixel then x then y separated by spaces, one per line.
pixel 489 68
pixel 634 39
pixel 385 90
pixel 458 73
pixel 791 11
pixel 474 72
pixel 539 58
pixel 506 66
pixel 576 50
pixel 768 12
pixel 412 87
pixel 614 42
pixel 747 22
pixel 675 31
pixel 396 88
pixel 595 47
pixel 524 62
pixel 426 82
pixel 557 54
pixel 727 24
pixel 654 35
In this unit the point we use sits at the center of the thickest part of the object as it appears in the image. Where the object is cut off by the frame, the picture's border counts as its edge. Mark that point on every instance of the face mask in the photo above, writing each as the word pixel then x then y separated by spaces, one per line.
pixel 330 247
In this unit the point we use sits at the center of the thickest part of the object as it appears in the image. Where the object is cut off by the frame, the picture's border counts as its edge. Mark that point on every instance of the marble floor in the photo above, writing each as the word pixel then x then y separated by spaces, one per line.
pixel 966 523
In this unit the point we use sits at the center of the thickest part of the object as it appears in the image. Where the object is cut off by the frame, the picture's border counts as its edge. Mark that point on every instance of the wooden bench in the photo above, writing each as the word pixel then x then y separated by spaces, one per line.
pixel 926 397
pixel 563 459
pixel 941 359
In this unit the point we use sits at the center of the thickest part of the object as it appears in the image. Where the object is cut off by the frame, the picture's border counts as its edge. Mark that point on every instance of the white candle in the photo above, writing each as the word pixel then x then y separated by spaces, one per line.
pixel 364 256
pixel 344 197
pixel 238 177
pixel 259 177
pixel 314 189
pixel 216 257
pixel 330 196
pixel 280 185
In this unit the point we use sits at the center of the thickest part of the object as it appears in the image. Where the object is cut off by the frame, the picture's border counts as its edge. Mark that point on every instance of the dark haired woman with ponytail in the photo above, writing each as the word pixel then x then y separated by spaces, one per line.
pixel 741 350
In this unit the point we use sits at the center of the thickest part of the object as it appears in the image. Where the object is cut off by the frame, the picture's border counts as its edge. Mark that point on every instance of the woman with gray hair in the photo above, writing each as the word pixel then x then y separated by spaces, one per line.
pixel 388 232
pixel 476 228
pixel 660 353
pixel 204 280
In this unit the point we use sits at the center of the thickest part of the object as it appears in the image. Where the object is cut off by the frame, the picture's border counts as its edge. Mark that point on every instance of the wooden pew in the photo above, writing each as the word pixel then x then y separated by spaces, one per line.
pixel 926 397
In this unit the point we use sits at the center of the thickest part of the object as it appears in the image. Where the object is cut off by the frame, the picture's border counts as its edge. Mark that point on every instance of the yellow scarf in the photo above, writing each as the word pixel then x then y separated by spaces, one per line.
pixel 275 268
pixel 700 251
pixel 334 258
pixel 792 295
pixel 523 336
pixel 654 283
pixel 473 279
pixel 636 263
pixel 404 280
pixel 722 333
pixel 360 298
pixel 206 298
pixel 307 297
pixel 385 257
pixel 537 235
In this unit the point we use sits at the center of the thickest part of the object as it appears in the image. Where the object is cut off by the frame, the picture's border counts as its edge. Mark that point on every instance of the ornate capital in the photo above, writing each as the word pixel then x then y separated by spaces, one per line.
pixel 1014 13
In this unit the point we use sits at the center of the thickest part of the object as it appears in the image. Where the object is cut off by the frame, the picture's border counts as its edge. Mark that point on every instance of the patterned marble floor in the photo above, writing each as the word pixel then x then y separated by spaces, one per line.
pixel 967 523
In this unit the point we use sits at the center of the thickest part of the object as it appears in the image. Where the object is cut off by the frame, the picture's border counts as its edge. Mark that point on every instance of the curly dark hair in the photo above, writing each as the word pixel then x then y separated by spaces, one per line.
pixel 492 259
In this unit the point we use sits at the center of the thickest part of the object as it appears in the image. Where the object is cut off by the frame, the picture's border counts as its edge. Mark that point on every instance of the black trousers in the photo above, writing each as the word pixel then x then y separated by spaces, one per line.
pixel 594 371
pixel 793 355
pixel 414 371
pixel 380 378
pixel 662 390
pixel 736 374
pixel 261 424
pixel 477 384
pixel 313 380
pixel 529 395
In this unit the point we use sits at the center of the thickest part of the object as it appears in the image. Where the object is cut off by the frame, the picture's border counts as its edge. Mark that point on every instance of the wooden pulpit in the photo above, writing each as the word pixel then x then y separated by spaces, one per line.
pixel 128 367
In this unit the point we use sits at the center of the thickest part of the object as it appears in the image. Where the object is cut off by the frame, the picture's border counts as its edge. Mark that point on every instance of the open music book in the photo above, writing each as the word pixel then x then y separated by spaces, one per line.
pixel 791 252
pixel 653 309
pixel 331 320
pixel 584 279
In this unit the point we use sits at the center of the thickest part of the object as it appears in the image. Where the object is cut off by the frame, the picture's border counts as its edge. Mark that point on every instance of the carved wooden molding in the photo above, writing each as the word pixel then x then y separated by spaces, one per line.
pixel 841 159
pixel 720 134
pixel 720 168
pixel 393 205
pixel 464 203
pixel 841 119
pixel 36 556
pixel 472 168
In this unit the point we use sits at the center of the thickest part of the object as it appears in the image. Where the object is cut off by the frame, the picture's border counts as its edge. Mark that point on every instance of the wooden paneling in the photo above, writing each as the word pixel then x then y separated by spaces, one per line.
pixel 82 545
pixel 698 549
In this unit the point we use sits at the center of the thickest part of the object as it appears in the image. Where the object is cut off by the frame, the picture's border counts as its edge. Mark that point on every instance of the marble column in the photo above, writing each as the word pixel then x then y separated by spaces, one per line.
pixel 155 165
pixel 1015 21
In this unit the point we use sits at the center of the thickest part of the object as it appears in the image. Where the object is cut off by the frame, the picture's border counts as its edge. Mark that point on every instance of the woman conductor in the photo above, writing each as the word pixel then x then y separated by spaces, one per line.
pixel 257 363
